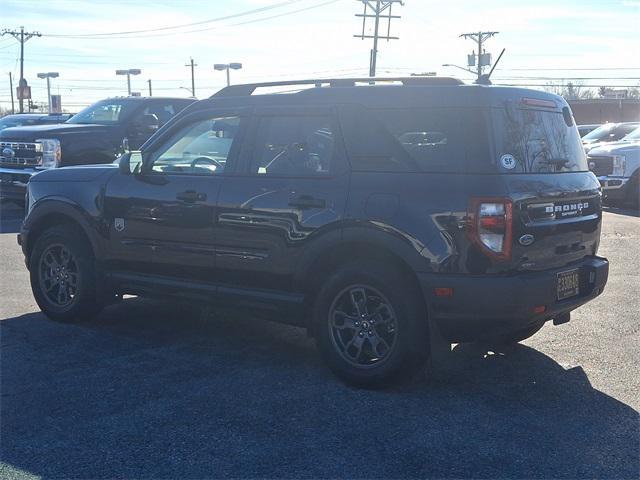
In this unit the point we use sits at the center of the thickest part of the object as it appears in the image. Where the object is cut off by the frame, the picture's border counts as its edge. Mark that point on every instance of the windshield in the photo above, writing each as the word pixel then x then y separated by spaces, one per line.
pixel 106 112
pixel 537 141
pixel 633 136
pixel 609 132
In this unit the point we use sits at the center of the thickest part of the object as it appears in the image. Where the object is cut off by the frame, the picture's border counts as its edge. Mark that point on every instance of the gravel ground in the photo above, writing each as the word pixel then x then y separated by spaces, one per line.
pixel 157 390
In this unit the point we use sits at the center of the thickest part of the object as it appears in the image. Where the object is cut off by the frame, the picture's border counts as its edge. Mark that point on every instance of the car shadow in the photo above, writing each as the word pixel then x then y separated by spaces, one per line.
pixel 11 216
pixel 630 212
pixel 157 390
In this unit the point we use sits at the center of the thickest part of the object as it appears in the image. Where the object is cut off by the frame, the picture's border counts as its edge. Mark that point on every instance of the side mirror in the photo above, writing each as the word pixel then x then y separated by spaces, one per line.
pixel 130 163
pixel 147 123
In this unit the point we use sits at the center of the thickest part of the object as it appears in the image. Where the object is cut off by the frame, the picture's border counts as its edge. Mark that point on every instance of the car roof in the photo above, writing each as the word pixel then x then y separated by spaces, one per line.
pixel 146 99
pixel 384 93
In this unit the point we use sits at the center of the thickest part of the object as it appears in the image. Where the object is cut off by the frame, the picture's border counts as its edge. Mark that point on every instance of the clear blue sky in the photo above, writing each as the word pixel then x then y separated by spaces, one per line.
pixel 305 38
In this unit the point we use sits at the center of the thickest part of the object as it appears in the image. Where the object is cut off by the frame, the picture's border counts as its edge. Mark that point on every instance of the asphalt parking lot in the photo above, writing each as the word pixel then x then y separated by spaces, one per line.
pixel 156 390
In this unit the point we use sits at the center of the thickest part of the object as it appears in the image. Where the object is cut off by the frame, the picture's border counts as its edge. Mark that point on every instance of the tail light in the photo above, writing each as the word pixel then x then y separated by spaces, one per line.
pixel 491 226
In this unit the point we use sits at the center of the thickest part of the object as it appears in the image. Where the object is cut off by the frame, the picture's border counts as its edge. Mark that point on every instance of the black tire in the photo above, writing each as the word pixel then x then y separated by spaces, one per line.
pixel 514 337
pixel 387 350
pixel 632 199
pixel 65 292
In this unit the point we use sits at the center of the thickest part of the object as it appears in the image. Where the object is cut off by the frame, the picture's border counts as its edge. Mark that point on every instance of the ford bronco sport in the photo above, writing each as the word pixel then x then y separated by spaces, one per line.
pixel 379 216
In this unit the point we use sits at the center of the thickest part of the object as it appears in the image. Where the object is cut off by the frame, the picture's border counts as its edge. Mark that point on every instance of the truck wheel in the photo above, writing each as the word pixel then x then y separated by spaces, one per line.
pixel 633 192
pixel 63 275
pixel 515 337
pixel 368 324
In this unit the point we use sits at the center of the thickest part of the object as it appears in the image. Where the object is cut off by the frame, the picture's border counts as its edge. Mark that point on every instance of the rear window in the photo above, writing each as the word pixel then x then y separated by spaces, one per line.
pixel 536 141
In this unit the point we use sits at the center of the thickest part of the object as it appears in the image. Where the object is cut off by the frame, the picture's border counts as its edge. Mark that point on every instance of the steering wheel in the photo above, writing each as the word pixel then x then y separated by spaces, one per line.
pixel 208 160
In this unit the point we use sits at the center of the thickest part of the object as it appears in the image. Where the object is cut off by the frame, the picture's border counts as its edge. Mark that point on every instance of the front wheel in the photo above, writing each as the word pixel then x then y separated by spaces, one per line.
pixel 63 276
pixel 368 324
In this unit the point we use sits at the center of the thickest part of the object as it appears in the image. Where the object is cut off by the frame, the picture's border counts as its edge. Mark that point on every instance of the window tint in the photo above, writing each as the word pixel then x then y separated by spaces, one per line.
pixel 293 146
pixel 162 111
pixel 200 149
pixel 416 140
pixel 433 138
pixel 105 112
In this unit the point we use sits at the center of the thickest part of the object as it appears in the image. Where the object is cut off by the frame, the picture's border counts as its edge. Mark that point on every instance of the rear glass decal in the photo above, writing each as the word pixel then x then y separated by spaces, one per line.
pixel 508 161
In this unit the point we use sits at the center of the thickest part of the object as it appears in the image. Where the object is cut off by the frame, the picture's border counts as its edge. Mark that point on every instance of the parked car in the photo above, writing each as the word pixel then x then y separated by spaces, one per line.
pixel 98 134
pixel 307 208
pixel 584 129
pixel 607 133
pixel 617 166
pixel 27 119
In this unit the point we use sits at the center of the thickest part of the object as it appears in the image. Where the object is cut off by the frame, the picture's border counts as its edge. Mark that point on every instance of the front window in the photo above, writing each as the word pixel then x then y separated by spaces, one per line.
pixel 200 149
pixel 106 112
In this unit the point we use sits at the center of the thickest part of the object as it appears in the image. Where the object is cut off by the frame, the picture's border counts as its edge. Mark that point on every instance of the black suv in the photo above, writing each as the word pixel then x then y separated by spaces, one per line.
pixel 381 217
pixel 98 134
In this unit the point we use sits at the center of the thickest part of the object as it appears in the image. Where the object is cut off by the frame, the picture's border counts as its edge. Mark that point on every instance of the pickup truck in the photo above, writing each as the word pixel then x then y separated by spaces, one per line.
pixel 98 134
pixel 617 166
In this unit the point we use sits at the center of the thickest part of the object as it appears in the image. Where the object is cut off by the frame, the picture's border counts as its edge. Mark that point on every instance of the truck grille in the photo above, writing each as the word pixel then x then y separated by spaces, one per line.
pixel 20 153
pixel 600 165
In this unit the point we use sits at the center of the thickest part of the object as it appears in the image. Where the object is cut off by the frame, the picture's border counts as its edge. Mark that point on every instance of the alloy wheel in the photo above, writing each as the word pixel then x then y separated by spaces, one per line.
pixel 363 326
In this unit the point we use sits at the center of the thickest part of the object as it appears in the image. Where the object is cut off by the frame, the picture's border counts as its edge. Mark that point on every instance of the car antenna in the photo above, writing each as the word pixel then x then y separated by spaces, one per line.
pixel 486 78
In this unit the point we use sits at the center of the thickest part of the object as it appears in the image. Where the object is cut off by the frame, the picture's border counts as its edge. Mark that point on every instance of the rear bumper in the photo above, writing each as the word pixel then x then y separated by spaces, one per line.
pixel 484 306
pixel 13 182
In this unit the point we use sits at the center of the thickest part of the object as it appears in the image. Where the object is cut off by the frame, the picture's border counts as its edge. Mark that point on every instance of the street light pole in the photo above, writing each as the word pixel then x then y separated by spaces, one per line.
pixel 128 73
pixel 49 76
pixel 227 67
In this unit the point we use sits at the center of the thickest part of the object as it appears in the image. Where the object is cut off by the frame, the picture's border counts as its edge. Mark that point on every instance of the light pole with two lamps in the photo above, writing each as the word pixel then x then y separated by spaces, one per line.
pixel 227 67
pixel 128 73
pixel 48 76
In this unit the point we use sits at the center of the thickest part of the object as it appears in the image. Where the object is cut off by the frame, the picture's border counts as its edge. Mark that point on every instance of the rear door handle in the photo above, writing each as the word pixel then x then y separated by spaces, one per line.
pixel 307 201
pixel 191 196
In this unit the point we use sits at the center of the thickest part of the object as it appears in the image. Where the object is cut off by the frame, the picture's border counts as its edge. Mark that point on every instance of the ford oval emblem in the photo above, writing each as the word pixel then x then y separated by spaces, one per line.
pixel 8 152
pixel 526 239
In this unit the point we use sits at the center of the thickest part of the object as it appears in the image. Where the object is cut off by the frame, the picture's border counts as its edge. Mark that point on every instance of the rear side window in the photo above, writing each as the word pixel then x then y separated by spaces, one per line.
pixel 536 141
pixel 293 146
pixel 417 140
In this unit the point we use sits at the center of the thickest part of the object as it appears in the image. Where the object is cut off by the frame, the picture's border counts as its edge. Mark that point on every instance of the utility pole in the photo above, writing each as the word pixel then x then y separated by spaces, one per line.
pixel 22 37
pixel 375 9
pixel 13 110
pixel 483 59
pixel 193 80
pixel 150 92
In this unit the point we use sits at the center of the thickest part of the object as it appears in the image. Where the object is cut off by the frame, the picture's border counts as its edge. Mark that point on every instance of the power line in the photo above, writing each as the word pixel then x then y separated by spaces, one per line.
pixel 173 27
pixel 285 13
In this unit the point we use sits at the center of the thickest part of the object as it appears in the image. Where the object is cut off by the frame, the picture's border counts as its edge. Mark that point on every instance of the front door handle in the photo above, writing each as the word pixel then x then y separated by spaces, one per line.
pixel 307 201
pixel 191 196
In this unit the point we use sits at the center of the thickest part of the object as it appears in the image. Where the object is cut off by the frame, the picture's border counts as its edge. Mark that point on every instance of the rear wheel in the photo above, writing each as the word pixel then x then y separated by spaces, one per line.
pixel 368 324
pixel 63 275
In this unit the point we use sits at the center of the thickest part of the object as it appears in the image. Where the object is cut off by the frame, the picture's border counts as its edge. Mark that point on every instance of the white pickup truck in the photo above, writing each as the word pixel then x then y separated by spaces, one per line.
pixel 617 166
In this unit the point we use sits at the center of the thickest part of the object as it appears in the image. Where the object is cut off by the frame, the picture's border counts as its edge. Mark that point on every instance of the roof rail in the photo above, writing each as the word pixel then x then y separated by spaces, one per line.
pixel 248 88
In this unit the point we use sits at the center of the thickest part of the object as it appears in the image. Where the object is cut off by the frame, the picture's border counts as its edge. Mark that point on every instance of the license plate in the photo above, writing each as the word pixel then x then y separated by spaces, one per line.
pixel 568 284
